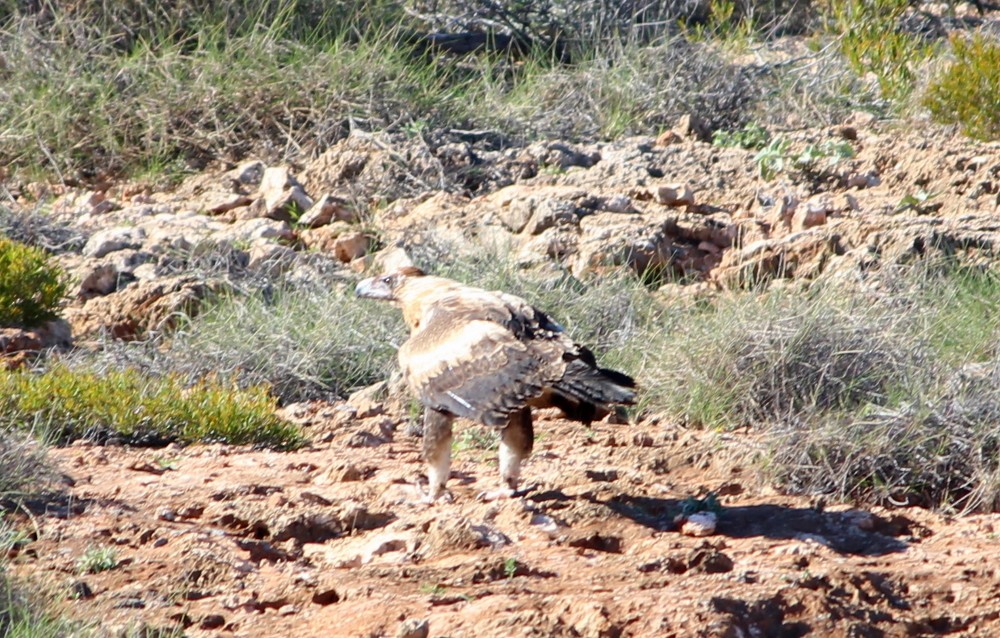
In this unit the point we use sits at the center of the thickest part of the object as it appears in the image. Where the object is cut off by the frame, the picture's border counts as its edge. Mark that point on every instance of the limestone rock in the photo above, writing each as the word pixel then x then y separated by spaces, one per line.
pixel 139 308
pixel 326 209
pixel 674 195
pixel 638 241
pixel 281 193
pixel 109 240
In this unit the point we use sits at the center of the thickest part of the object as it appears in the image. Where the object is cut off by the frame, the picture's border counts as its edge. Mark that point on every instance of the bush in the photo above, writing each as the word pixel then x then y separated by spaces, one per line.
pixel 30 287
pixel 139 409
pixel 24 469
pixel 872 42
pixel 761 359
pixel 966 92
pixel 24 609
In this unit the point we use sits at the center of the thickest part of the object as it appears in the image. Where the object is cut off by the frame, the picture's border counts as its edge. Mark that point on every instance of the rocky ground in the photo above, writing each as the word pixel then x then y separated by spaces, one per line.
pixel 330 541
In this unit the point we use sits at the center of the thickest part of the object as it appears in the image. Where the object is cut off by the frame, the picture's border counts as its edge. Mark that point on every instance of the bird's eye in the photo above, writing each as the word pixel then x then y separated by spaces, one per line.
pixel 387 281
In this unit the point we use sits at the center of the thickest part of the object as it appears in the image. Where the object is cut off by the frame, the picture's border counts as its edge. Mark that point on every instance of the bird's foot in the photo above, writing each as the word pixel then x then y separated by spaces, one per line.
pixel 502 493
pixel 432 497
pixel 496 495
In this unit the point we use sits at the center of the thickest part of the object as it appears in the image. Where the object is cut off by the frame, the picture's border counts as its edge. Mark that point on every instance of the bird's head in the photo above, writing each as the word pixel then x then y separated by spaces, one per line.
pixel 385 287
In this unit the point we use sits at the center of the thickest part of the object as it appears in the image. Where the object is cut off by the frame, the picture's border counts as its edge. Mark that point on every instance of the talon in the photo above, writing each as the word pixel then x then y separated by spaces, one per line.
pixel 496 495
pixel 430 497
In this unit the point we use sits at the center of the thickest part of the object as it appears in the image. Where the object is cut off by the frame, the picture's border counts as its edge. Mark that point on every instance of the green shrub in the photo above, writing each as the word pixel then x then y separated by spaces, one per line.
pixel 140 408
pixel 751 136
pixel 967 92
pixel 872 43
pixel 96 560
pixel 30 287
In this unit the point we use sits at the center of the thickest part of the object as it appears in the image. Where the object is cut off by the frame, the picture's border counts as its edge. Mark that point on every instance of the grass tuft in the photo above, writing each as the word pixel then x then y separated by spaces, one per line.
pixel 139 409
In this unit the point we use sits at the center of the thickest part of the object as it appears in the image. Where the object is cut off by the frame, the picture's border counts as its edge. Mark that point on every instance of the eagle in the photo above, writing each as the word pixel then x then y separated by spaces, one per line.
pixel 490 357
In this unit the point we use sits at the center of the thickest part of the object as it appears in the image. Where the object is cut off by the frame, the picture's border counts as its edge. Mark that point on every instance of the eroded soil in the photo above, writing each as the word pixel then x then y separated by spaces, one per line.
pixel 331 541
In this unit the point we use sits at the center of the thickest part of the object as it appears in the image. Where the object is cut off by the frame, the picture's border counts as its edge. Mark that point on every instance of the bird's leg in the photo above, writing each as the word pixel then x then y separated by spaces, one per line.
pixel 437 451
pixel 516 442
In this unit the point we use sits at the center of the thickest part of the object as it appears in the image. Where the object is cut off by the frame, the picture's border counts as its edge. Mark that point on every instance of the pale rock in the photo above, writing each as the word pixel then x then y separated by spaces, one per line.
pixel 322 239
pixel 384 544
pixel 270 258
pixel 97 279
pixel 326 209
pixel 248 173
pixel 617 204
pixel 109 240
pixel 548 213
pixel 391 259
pixel 370 400
pixel 227 202
pixel 674 194
pixel 281 191
pixel 414 628
pixel 612 239
pixel 247 231
pixel 700 524
pixel 553 243
pixel 145 272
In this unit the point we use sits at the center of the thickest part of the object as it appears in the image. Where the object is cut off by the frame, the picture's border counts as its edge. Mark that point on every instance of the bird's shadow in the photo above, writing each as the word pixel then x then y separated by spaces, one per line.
pixel 839 531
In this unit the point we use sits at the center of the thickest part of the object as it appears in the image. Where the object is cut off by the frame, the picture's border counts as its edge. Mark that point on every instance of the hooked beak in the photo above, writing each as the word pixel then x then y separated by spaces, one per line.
pixel 373 288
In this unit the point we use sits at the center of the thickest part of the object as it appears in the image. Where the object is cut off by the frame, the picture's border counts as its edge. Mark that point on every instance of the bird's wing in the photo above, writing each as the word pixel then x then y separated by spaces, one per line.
pixel 476 367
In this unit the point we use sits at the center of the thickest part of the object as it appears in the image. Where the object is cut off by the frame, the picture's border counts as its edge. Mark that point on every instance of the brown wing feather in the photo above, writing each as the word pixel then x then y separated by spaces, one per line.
pixel 477 369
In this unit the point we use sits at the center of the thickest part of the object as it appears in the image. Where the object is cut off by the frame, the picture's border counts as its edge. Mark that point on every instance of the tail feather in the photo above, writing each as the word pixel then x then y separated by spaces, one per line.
pixel 586 393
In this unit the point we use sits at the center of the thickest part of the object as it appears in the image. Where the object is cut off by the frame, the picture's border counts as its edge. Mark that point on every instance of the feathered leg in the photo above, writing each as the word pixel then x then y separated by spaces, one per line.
pixel 516 441
pixel 437 451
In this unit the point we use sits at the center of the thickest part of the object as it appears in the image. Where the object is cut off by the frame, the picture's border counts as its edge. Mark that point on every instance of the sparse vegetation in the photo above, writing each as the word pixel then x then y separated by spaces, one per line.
pixel 873 43
pixel 304 342
pixel 24 469
pixel 24 610
pixel 31 287
pixel 966 92
pixel 96 560
pixel 67 404
pixel 752 136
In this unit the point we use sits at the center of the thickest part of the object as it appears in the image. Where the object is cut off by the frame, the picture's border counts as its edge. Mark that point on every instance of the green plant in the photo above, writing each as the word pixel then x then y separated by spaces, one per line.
pixel 872 43
pixel 510 567
pixel 772 159
pixel 97 559
pixel 918 202
pixel 966 91
pixel 832 151
pixel 433 589
pixel 31 287
pixel 71 403
pixel 752 136
pixel 476 438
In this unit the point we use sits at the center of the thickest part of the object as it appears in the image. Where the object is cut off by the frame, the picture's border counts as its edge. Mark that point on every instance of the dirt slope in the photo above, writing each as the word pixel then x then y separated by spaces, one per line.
pixel 227 541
